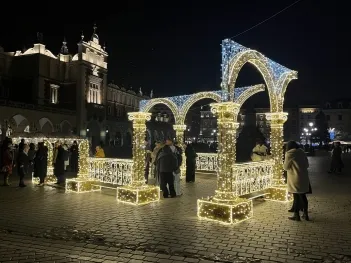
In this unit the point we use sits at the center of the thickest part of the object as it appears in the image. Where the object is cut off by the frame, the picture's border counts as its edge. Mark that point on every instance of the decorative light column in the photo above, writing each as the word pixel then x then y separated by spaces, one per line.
pixel 179 129
pixel 138 193
pixel 83 183
pixel 50 177
pixel 278 192
pixel 225 206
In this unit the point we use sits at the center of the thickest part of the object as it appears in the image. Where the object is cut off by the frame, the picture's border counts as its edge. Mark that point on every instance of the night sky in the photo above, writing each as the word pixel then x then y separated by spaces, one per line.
pixel 175 48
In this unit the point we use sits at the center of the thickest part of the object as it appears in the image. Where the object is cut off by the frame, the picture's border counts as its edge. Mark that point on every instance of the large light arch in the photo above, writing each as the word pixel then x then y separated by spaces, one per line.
pixel 147 105
pixel 276 76
pixel 216 96
pixel 258 61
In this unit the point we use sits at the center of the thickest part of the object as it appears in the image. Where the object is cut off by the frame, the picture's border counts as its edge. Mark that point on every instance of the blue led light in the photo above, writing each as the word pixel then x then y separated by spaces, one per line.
pixel 230 49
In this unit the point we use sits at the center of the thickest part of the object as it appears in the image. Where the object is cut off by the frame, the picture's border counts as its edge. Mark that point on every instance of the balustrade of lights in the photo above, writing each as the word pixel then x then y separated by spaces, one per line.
pixel 207 162
pixel 111 171
pixel 252 177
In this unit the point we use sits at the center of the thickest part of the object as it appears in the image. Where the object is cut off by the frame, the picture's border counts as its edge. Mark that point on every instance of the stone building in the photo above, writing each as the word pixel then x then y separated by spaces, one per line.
pixel 338 117
pixel 55 94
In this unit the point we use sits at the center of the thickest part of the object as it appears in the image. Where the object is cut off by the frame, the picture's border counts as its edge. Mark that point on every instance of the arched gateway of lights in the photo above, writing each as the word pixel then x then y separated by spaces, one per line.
pixel 233 180
pixel 225 206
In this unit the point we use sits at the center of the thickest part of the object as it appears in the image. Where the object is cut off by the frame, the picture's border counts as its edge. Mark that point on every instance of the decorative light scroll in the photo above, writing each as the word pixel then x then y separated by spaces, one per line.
pixel 207 162
pixel 111 170
pixel 252 177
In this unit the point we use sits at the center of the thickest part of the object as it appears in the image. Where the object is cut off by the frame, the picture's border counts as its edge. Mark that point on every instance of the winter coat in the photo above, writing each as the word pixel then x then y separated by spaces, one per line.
pixel 296 164
pixel 167 162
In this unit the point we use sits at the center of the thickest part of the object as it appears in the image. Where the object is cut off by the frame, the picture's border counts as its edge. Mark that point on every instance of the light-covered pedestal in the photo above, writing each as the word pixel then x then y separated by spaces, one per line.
pixel 278 192
pixel 179 129
pixel 138 193
pixel 225 206
pixel 83 183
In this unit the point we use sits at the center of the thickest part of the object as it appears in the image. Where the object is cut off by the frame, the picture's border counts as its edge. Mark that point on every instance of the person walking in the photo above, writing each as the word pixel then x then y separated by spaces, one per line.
pixel 296 164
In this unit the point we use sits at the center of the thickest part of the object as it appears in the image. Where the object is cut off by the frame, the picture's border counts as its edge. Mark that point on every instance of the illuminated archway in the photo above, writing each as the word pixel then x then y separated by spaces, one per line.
pixel 147 105
pixel 276 76
pixel 192 99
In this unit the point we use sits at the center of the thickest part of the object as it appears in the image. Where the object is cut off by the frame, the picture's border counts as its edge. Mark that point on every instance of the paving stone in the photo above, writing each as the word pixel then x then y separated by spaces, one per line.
pixel 94 227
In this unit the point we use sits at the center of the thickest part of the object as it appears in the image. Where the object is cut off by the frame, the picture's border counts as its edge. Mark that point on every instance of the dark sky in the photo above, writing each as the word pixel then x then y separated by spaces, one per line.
pixel 175 48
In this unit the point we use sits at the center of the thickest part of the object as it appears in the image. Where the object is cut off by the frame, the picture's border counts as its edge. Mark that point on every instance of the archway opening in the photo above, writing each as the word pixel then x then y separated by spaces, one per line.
pixel 253 124
pixel 22 124
pixel 46 126
pixel 201 126
pixel 66 128
pixel 162 119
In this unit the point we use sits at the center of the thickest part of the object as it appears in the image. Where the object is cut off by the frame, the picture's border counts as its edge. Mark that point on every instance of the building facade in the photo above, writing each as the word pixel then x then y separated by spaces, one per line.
pixel 68 94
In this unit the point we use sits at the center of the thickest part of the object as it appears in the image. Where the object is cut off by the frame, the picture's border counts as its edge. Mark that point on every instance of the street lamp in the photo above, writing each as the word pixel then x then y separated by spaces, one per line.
pixel 311 124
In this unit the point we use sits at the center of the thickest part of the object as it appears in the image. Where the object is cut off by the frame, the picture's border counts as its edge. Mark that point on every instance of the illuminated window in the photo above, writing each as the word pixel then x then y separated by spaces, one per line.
pixel 94 93
pixel 54 93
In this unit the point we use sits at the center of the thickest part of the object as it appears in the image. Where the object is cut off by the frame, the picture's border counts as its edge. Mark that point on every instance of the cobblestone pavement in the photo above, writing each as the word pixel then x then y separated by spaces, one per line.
pixel 47 225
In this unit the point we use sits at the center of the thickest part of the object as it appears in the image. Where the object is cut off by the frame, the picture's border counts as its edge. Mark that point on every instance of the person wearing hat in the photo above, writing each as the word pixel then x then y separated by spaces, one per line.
pixel 259 152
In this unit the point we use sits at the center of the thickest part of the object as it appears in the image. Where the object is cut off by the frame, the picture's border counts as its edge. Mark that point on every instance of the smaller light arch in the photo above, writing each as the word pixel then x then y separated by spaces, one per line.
pixel 248 92
pixel 147 105
pixel 216 96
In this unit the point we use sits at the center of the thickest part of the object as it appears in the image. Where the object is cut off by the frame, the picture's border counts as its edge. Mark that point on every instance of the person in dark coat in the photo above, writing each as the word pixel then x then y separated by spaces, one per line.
pixel 7 160
pixel 31 156
pixel 190 163
pixel 336 161
pixel 59 163
pixel 41 163
pixel 23 165
pixel 74 157
pixel 147 161
pixel 167 163
pixel 21 145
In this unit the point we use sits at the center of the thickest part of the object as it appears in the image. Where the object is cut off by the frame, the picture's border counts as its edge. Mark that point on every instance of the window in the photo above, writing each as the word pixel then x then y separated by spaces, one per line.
pixel 94 94
pixel 54 93
pixel 340 105
pixel 327 105
pixel 340 117
pixel 109 110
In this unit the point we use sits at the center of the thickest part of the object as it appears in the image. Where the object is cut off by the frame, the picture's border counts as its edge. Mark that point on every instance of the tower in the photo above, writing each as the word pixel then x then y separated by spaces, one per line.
pixel 91 88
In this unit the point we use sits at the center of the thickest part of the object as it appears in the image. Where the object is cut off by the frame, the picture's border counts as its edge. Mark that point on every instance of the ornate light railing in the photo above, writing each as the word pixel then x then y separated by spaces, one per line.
pixel 206 162
pixel 252 177
pixel 111 170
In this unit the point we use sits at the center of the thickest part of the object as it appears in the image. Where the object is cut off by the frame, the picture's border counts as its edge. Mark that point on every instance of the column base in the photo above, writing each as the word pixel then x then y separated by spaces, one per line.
pixel 50 178
pixel 231 212
pixel 81 186
pixel 278 193
pixel 138 195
